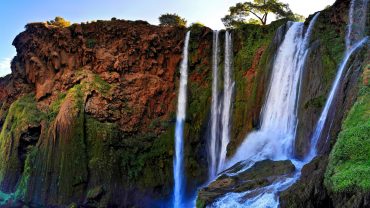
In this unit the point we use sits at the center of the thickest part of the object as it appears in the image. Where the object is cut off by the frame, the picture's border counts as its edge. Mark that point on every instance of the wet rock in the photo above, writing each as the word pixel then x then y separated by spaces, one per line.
pixel 309 191
pixel 235 179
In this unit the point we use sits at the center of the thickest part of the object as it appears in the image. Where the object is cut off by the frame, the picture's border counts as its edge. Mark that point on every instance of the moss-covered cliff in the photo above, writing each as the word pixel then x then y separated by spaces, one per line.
pixel 87 116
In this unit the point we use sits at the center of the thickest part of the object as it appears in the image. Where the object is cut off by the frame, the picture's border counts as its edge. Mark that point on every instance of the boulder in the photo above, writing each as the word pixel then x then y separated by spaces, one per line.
pixel 235 179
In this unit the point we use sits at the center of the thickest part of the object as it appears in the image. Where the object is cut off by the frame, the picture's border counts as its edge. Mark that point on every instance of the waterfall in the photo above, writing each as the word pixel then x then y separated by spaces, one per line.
pixel 354 40
pixel 178 166
pixel 275 139
pixel 226 107
pixel 220 121
pixel 213 144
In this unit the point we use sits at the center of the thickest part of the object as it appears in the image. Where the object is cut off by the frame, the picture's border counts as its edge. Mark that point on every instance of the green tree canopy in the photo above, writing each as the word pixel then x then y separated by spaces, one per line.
pixel 258 9
pixel 171 20
pixel 59 22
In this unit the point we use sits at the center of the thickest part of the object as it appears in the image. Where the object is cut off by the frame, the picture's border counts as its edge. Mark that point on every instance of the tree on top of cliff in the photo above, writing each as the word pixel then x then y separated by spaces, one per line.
pixel 59 22
pixel 171 20
pixel 259 9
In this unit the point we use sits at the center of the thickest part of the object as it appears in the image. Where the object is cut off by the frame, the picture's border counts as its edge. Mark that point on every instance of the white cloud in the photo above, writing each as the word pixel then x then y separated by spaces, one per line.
pixel 5 66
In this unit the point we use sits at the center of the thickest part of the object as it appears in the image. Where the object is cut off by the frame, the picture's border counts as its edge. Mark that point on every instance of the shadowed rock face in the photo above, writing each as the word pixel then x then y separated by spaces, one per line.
pixel 309 191
pixel 325 54
pixel 261 174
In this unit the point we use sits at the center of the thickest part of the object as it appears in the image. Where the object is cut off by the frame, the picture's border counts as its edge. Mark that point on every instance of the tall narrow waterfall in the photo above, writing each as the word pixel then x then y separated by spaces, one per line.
pixel 354 40
pixel 178 166
pixel 220 121
pixel 213 144
pixel 275 139
pixel 226 107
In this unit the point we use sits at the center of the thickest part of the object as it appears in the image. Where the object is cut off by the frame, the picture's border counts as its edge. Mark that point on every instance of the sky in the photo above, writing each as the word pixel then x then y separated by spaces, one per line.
pixel 15 14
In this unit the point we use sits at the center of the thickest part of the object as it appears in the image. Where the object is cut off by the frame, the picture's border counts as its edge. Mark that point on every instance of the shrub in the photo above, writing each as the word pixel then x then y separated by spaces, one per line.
pixel 171 20
pixel 59 22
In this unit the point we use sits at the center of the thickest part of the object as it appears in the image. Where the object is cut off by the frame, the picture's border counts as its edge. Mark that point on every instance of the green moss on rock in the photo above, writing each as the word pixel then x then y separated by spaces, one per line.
pixel 349 161
pixel 22 114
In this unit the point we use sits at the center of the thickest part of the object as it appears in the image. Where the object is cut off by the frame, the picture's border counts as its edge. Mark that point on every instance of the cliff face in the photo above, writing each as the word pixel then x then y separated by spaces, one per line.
pixel 87 116
pixel 325 54
pixel 91 109
pixel 93 114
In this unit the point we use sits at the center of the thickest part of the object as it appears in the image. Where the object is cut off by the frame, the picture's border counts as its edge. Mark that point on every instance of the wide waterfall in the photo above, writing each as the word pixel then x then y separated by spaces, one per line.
pixel 275 138
pixel 354 40
pixel 178 163
pixel 220 121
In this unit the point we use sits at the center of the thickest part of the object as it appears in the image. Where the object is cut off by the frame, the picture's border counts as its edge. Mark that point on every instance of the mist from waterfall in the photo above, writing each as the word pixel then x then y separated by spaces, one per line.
pixel 178 163
pixel 220 111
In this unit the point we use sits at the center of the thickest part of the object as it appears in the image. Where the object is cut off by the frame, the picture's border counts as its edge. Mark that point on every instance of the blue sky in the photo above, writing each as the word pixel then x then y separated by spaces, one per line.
pixel 15 14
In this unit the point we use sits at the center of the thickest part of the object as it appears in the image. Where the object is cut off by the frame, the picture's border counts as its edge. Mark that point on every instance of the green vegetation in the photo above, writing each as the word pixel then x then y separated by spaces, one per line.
pixel 317 102
pixel 101 155
pixel 171 20
pixel 59 22
pixel 22 114
pixel 199 99
pixel 200 203
pixel 29 167
pixel 349 161
pixel 55 106
pixel 101 85
pixel 196 28
pixel 332 46
pixel 260 9
pixel 145 160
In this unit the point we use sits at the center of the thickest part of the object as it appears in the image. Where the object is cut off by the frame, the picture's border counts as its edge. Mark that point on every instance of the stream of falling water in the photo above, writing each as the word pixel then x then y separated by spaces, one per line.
pixel 213 144
pixel 274 140
pixel 178 163
pixel 259 145
pixel 220 121
pixel 354 40
pixel 227 100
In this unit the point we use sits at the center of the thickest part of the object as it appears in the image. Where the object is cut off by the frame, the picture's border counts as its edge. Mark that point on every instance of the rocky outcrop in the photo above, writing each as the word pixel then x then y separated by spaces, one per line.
pixel 309 191
pixel 235 179
pixel 90 109
pixel 326 51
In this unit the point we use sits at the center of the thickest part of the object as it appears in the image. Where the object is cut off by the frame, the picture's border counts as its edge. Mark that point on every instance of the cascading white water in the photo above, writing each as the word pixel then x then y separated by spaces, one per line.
pixel 178 166
pixel 274 140
pixel 226 107
pixel 275 137
pixel 220 121
pixel 213 144
pixel 354 40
